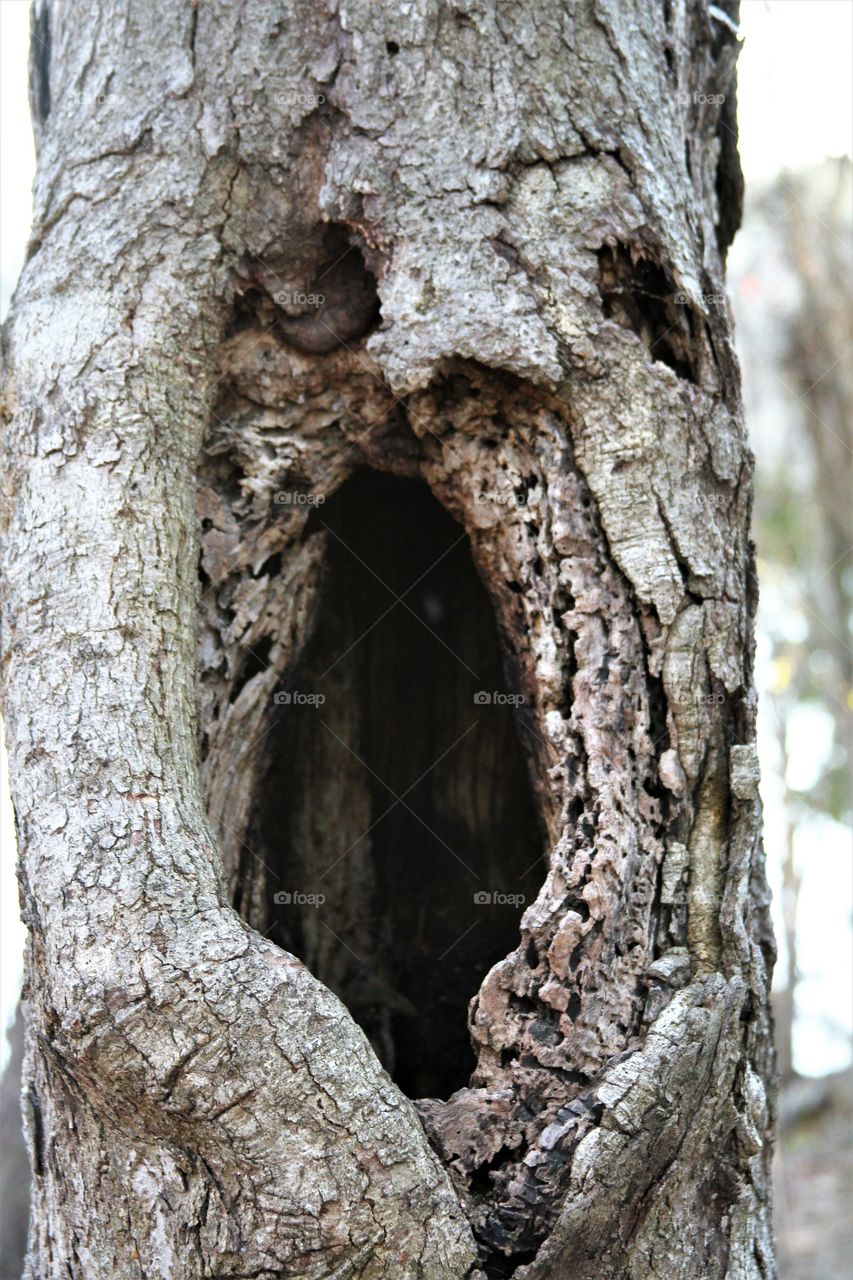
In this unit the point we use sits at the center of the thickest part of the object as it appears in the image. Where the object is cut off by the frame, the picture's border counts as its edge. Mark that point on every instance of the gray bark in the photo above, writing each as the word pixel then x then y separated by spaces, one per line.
pixel 541 200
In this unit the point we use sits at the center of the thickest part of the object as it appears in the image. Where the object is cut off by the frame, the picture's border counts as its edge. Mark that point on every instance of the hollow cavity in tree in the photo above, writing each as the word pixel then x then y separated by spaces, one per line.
pixel 395 814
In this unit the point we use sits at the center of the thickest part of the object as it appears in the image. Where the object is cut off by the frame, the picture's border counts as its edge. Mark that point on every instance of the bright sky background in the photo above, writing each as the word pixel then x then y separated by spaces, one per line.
pixel 795 107
pixel 795 84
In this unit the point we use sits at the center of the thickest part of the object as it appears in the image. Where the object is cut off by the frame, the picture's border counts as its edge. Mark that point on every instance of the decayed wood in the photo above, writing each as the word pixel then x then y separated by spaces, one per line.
pixel 535 201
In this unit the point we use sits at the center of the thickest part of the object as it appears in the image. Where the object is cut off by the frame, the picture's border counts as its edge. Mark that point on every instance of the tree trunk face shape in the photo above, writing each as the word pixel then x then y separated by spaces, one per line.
pixel 381 357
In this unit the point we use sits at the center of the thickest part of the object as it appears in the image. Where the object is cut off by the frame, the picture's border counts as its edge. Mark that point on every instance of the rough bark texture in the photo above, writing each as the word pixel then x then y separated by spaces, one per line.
pixel 516 222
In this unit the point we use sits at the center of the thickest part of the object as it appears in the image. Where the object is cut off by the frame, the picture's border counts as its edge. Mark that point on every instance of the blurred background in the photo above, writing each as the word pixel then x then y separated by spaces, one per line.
pixel 791 284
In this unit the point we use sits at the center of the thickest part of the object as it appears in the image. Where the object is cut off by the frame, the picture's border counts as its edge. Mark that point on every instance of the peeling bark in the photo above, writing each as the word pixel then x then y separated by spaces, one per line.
pixel 480 250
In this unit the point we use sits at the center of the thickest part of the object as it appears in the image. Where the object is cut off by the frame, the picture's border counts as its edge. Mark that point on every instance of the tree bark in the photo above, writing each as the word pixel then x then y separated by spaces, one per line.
pixel 468 246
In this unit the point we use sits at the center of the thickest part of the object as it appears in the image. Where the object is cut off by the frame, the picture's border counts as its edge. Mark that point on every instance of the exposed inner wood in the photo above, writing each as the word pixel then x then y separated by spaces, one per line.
pixel 284 597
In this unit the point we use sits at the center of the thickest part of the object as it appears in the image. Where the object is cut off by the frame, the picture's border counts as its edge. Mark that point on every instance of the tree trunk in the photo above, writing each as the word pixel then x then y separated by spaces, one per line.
pixel 416 308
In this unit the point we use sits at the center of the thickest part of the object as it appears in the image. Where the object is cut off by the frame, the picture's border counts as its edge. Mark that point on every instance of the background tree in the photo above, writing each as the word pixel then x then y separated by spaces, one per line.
pixel 789 276
pixel 793 271
pixel 14 1170
pixel 481 252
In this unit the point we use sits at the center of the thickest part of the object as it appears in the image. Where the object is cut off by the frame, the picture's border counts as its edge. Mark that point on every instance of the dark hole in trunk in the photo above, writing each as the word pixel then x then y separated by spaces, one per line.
pixel 401 800
pixel 640 295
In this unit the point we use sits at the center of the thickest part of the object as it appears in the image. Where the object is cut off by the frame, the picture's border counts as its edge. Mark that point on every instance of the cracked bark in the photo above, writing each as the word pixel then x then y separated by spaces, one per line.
pixel 515 225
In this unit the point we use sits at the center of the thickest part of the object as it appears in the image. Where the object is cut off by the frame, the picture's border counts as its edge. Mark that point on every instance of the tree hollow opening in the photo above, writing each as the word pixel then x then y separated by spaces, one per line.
pixel 396 817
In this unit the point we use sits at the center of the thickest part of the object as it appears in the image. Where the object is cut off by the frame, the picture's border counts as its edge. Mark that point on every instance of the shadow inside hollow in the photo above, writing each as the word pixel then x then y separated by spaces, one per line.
pixel 400 799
